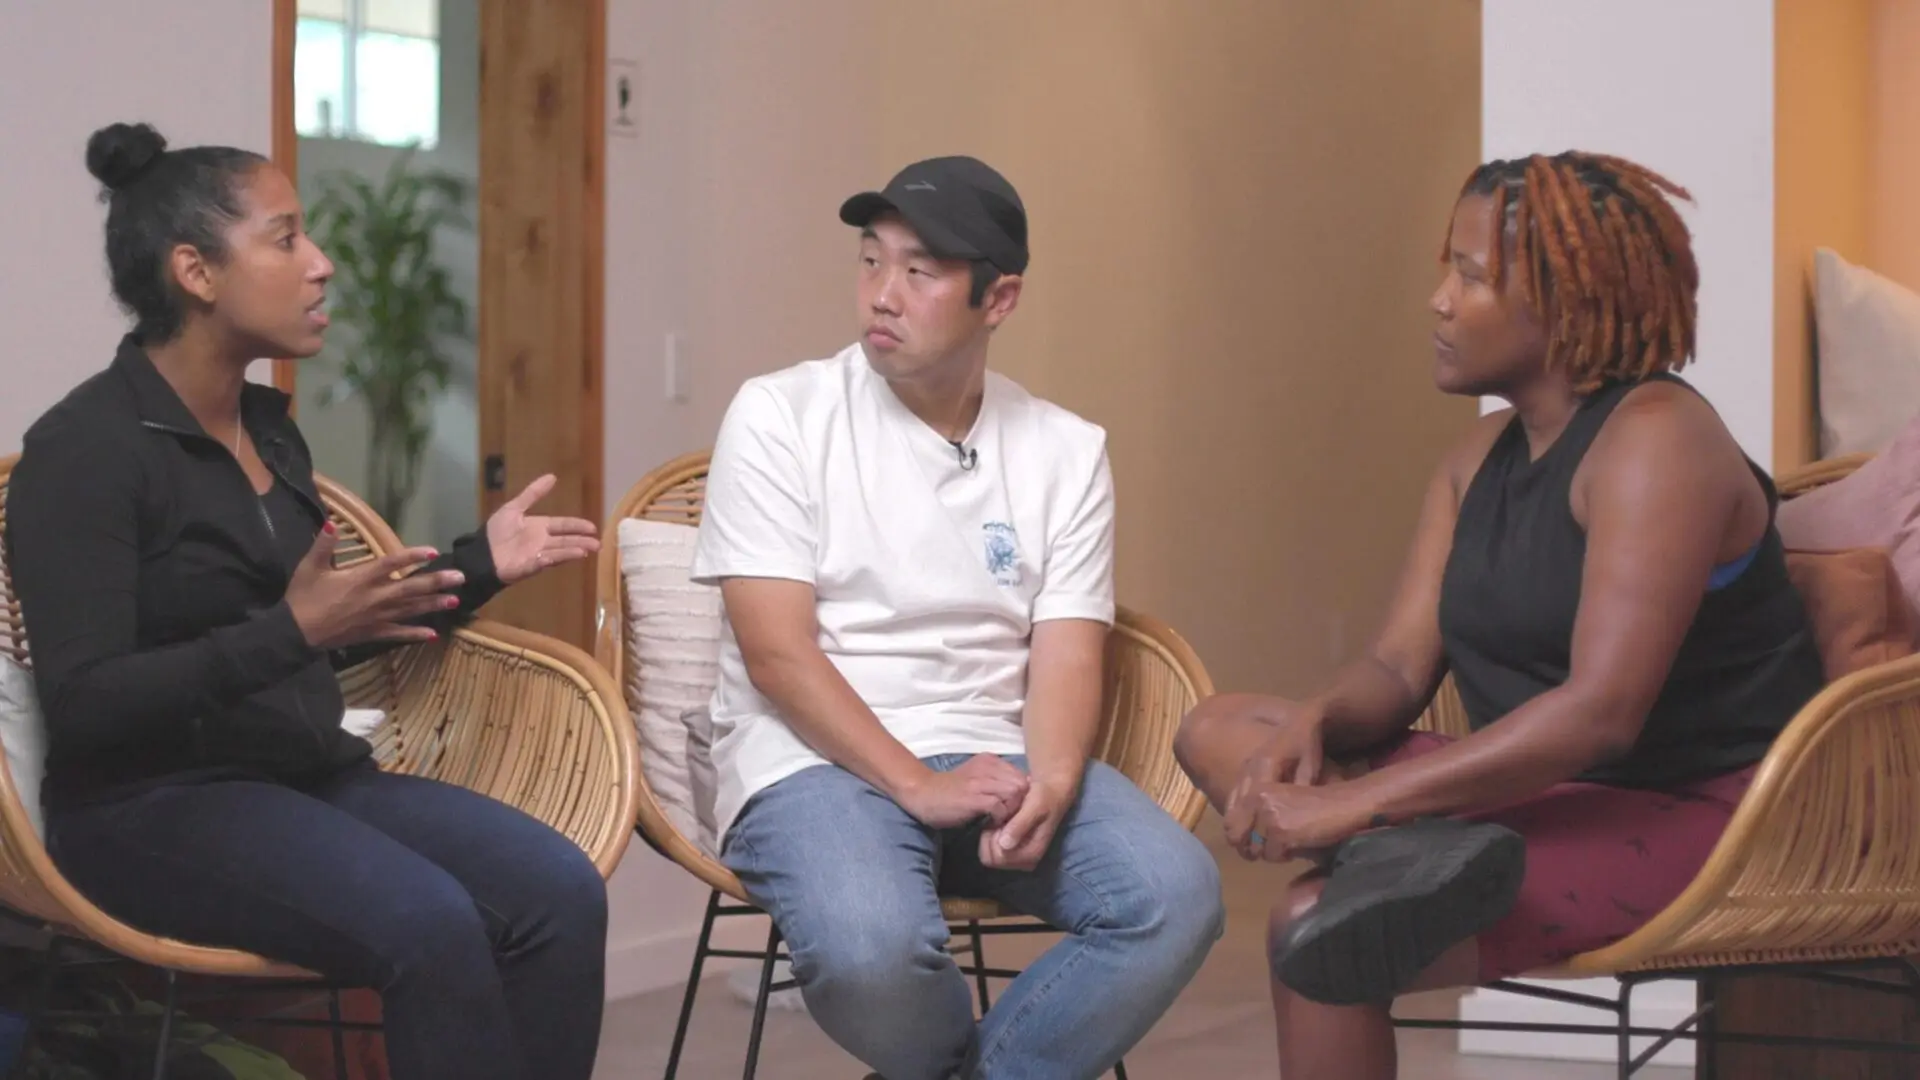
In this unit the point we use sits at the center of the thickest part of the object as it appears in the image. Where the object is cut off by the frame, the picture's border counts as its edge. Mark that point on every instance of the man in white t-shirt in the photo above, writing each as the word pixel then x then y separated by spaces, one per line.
pixel 916 558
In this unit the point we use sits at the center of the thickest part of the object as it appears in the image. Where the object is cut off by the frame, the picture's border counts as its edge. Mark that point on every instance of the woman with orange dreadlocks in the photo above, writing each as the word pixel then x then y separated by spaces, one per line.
pixel 1598 569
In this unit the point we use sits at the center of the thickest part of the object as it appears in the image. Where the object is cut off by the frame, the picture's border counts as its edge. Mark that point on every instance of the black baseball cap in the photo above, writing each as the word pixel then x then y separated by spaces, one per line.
pixel 960 207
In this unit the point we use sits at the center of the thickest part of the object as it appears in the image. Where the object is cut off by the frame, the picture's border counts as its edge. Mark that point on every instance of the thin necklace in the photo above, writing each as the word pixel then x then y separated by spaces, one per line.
pixel 239 431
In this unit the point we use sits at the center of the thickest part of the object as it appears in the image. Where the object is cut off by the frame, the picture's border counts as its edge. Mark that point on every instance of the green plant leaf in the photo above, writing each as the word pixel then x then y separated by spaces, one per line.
pixel 396 306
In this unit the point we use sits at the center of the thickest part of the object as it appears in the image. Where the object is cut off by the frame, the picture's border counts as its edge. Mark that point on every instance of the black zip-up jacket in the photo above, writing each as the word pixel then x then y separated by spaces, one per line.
pixel 153 592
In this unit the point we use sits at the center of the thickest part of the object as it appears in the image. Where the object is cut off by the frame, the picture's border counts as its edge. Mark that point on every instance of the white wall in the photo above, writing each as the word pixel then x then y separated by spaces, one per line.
pixel 1692 99
pixel 730 97
pixel 199 72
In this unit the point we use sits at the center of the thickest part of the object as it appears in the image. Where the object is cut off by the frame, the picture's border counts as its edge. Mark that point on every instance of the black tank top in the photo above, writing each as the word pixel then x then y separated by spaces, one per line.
pixel 1512 587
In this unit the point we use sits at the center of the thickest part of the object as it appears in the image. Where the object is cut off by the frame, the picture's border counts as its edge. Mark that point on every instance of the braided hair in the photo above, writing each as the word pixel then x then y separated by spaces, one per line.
pixel 1603 259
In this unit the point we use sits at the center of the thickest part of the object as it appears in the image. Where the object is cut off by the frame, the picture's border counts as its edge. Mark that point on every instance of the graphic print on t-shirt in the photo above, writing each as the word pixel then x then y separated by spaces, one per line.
pixel 1002 552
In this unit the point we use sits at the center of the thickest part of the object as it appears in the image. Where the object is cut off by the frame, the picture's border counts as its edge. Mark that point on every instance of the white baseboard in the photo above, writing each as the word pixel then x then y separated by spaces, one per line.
pixel 662 960
pixel 1661 1004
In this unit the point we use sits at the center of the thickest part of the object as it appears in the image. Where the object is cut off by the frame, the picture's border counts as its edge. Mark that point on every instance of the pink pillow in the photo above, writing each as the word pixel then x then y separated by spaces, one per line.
pixel 1876 507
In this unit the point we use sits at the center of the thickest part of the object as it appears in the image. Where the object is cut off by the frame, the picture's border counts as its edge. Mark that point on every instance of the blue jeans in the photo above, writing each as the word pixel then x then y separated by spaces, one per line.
pixel 483 929
pixel 854 882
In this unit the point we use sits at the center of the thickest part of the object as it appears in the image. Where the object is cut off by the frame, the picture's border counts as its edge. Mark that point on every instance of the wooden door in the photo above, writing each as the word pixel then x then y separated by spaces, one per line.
pixel 542 74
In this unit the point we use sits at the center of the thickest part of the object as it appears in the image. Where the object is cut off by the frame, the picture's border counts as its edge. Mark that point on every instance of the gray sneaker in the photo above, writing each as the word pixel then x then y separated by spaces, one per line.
pixel 1394 901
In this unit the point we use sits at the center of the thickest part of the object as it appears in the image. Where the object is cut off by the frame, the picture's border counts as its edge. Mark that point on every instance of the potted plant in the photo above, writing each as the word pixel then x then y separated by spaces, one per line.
pixel 399 303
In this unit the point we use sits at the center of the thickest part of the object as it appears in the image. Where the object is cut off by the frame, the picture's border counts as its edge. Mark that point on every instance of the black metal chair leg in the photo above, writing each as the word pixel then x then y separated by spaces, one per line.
pixel 1626 1029
pixel 1120 1070
pixel 1910 970
pixel 979 964
pixel 760 999
pixel 339 1036
pixel 166 1029
pixel 693 986
pixel 1705 1067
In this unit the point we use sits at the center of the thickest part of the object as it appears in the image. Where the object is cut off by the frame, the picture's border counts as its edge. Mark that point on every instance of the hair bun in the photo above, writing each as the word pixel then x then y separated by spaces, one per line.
pixel 118 153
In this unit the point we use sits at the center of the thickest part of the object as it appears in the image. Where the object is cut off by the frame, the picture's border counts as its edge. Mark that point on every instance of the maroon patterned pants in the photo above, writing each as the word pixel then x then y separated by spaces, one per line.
pixel 1601 860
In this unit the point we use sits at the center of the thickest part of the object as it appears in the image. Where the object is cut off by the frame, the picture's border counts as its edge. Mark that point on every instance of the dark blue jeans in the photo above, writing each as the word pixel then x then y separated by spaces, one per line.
pixel 483 929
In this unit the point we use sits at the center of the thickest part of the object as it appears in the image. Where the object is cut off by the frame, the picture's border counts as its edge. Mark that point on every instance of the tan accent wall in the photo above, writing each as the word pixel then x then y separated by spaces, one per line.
pixel 1893 248
pixel 1846 170
pixel 1824 85
pixel 1236 211
pixel 1239 220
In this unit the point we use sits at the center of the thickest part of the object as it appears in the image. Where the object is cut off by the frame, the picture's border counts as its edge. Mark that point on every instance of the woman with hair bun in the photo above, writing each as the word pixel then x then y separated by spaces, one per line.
pixel 174 563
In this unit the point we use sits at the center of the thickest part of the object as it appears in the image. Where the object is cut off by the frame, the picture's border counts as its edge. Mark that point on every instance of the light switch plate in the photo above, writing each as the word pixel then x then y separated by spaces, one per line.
pixel 675 365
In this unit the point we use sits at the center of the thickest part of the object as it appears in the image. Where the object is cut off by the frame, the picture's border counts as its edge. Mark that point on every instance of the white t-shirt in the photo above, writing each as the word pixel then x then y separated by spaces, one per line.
pixel 928 576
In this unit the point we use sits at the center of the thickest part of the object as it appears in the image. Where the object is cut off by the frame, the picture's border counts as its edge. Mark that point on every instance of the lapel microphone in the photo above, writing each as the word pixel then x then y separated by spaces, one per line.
pixel 968 458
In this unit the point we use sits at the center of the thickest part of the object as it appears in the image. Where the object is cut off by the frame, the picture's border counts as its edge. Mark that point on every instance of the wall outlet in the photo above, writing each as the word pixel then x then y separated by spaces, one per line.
pixel 674 364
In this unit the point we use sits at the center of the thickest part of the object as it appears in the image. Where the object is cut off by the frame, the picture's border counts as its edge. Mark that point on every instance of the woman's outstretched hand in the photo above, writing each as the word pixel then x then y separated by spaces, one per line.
pixel 373 601
pixel 524 544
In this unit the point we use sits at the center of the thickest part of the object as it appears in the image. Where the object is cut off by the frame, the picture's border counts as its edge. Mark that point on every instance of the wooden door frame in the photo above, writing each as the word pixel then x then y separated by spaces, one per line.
pixel 286 140
pixel 496 258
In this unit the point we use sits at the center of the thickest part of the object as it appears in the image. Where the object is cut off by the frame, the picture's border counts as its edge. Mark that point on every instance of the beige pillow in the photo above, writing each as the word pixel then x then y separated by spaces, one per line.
pixel 672 664
pixel 1868 329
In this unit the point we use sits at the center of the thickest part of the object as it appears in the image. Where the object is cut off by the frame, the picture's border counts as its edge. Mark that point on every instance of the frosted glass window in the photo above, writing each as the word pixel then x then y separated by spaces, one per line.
pixel 397 90
pixel 320 78
pixel 412 18
pixel 369 70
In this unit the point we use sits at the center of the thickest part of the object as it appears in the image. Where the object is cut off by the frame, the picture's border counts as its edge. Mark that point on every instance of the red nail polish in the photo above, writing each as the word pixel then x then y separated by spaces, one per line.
pixel 329 527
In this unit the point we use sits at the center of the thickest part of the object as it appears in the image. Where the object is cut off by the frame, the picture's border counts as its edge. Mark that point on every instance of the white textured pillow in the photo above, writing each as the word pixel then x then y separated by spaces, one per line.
pixel 701 782
pixel 363 722
pixel 672 664
pixel 1868 328
pixel 23 732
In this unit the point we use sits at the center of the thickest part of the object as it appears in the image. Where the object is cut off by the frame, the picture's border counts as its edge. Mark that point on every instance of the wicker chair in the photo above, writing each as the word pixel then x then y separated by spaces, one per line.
pixel 531 721
pixel 1819 866
pixel 1152 678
